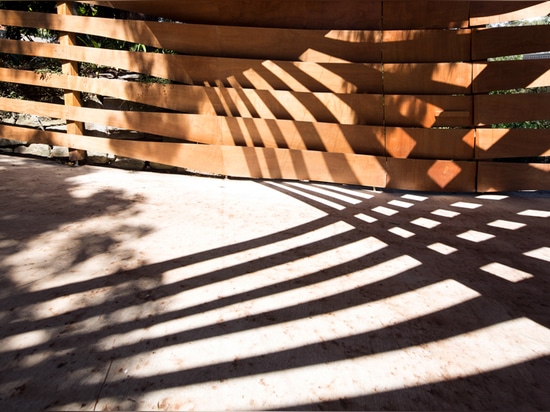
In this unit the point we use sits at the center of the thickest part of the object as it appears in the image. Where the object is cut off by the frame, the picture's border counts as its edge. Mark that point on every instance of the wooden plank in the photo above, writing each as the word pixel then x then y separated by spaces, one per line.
pixel 424 14
pixel 509 41
pixel 427 78
pixel 303 14
pixel 508 143
pixel 499 176
pixel 71 97
pixel 418 143
pixel 221 41
pixel 428 111
pixel 305 165
pixel 301 106
pixel 431 175
pixel 329 137
pixel 507 75
pixel 426 46
pixel 226 160
pixel 196 157
pixel 509 108
pixel 190 99
pixel 243 73
pixel 492 12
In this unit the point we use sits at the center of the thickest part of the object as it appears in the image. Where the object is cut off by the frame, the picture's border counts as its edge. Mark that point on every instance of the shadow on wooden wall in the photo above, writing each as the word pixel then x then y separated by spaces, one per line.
pixel 336 91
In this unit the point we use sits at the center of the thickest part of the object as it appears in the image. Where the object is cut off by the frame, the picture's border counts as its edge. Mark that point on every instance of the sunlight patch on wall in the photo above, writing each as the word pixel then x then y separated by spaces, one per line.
pixel 443 172
pixel 319 56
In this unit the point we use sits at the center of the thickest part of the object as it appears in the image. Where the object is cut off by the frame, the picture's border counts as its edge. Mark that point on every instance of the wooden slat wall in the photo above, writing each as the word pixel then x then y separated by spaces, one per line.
pixel 377 93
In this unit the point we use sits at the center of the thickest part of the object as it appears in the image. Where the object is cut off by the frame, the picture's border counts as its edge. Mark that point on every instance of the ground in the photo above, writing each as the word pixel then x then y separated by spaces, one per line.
pixel 129 290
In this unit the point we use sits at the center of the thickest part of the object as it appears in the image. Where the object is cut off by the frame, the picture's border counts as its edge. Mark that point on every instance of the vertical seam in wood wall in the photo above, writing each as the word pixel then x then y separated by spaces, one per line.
pixel 384 107
pixel 472 80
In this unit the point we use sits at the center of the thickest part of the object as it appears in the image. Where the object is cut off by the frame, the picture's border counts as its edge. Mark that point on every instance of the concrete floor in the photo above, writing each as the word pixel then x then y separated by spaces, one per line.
pixel 129 290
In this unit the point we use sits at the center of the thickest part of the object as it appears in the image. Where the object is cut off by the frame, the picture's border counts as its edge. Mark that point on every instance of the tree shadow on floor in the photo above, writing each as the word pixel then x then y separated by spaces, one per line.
pixel 289 302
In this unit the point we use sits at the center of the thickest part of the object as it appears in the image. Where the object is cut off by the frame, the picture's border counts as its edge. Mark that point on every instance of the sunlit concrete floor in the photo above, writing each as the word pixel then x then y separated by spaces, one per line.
pixel 129 290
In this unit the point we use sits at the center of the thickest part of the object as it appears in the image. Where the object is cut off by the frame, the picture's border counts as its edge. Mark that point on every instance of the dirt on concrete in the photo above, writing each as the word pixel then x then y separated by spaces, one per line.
pixel 127 290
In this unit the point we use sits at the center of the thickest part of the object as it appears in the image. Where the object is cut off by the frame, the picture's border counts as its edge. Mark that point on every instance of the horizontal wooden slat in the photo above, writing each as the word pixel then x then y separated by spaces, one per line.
pixel 499 176
pixel 267 74
pixel 330 137
pixel 422 14
pixel 249 162
pixel 323 46
pixel 514 74
pixel 509 41
pixel 405 111
pixel 491 12
pixel 418 143
pixel 509 108
pixel 508 143
pixel 425 46
pixel 431 175
pixel 267 104
pixel 427 78
pixel 428 111
pixel 303 14
pixel 192 99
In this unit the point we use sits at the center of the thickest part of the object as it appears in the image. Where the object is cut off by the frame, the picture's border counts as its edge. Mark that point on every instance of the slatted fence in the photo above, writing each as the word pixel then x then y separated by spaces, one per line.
pixel 390 94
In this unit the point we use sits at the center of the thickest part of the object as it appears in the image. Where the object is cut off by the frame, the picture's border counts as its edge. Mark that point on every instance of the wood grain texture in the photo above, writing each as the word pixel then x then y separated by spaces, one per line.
pixel 499 176
pixel 509 108
pixel 422 143
pixel 428 78
pixel 431 175
pixel 426 46
pixel 507 75
pixel 428 111
pixel 509 41
pixel 512 143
